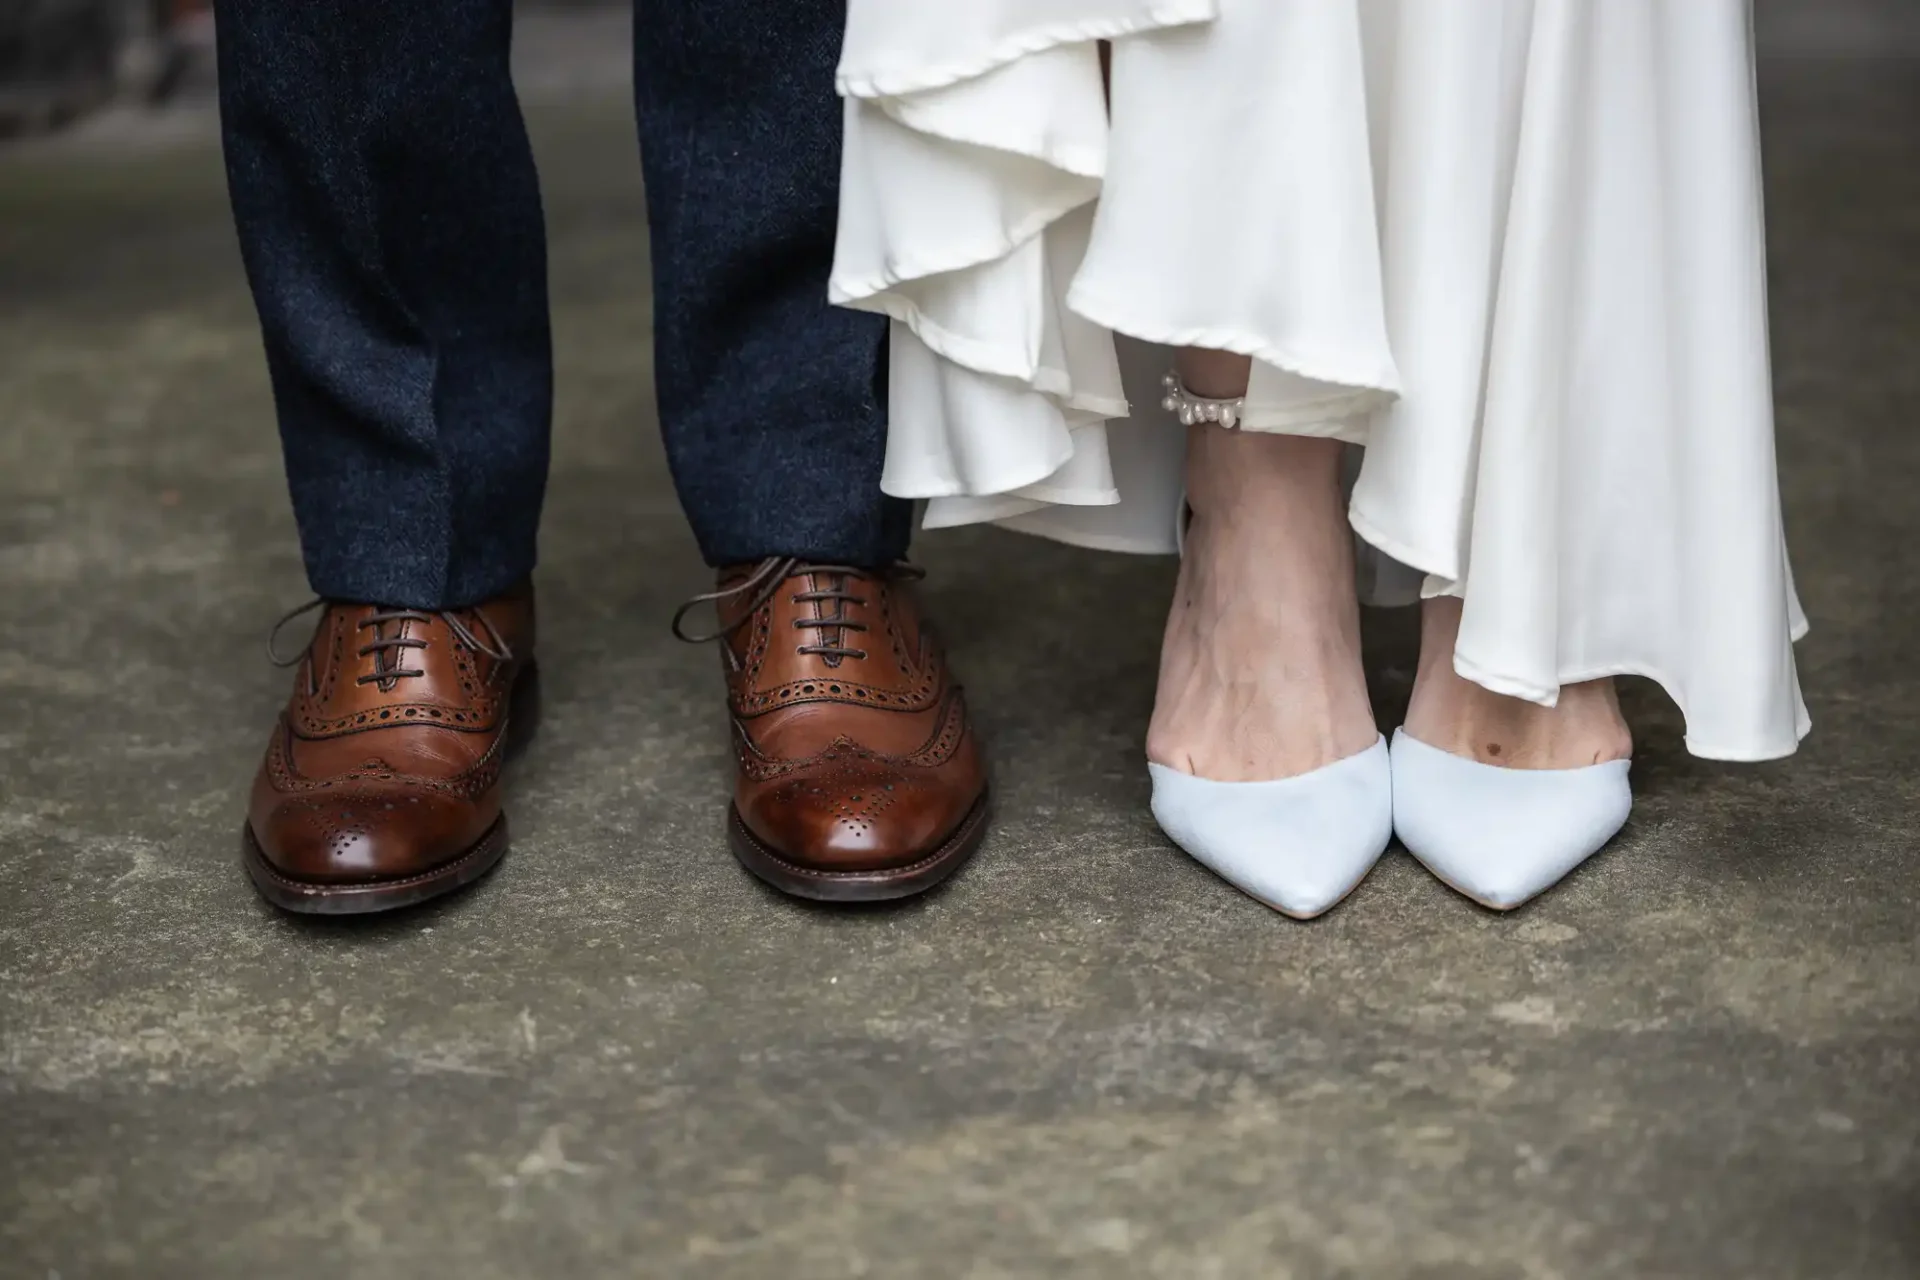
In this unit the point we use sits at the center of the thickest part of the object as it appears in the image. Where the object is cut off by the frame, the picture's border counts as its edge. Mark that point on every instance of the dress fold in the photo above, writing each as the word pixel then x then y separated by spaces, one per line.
pixel 1510 249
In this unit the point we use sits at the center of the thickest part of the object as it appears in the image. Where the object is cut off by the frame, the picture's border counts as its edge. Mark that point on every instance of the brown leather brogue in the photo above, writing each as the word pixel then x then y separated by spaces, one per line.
pixel 859 777
pixel 381 786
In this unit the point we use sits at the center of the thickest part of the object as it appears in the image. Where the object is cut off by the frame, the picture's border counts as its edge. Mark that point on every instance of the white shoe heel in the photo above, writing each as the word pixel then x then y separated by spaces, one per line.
pixel 1502 836
pixel 1298 844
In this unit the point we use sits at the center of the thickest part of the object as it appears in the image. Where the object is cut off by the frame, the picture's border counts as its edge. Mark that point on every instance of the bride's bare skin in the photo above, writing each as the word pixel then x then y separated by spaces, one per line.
pixel 1260 673
pixel 1453 713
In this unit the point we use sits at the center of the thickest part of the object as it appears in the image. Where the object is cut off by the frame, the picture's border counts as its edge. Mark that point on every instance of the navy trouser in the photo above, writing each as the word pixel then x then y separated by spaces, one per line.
pixel 389 217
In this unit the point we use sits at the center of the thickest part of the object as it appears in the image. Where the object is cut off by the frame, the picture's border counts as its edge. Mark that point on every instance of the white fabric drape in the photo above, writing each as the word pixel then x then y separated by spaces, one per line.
pixel 1511 247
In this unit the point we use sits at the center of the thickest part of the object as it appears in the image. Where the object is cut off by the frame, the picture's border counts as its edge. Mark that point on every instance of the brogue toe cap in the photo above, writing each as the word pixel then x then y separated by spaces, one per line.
pixel 368 834
pixel 856 818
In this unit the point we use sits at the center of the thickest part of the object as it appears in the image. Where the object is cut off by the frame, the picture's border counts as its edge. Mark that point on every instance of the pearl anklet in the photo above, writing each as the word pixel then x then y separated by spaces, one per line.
pixel 1191 409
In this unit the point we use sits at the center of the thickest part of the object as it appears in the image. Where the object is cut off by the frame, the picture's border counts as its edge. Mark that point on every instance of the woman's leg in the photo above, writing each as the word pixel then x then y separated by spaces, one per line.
pixel 1260 673
pixel 1458 716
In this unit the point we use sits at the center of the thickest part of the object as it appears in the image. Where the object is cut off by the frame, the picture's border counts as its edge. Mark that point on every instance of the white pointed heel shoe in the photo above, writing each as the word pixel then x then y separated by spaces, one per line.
pixel 1502 836
pixel 1298 844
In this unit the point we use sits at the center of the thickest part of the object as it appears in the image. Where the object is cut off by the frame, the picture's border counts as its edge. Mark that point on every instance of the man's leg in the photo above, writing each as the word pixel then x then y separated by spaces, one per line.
pixel 859 774
pixel 775 427
pixel 389 219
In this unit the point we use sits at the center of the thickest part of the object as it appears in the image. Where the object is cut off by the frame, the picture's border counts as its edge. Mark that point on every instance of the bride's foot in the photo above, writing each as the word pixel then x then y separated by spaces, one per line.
pixel 1266 763
pixel 1453 713
pixel 1260 674
pixel 1497 796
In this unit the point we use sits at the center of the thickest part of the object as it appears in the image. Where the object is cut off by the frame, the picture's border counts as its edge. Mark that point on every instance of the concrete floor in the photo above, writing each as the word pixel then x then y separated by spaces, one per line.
pixel 1700 1057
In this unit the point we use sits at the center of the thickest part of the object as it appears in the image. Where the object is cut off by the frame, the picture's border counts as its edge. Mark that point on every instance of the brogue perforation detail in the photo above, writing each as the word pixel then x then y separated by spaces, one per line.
pixel 474 782
pixel 757 646
pixel 476 719
pixel 796 692
pixel 935 752
pixel 479 715
pixel 953 729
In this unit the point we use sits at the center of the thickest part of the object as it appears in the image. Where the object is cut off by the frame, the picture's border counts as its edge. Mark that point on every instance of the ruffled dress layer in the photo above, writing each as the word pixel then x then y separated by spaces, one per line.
pixel 1513 248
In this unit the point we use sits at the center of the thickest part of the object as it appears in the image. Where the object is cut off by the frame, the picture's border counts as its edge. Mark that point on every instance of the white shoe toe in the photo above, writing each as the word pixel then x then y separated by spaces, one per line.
pixel 1502 836
pixel 1298 844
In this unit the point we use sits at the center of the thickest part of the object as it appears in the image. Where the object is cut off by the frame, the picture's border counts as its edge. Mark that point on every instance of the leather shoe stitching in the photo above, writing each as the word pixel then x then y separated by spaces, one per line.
pixel 476 779
pixel 939 748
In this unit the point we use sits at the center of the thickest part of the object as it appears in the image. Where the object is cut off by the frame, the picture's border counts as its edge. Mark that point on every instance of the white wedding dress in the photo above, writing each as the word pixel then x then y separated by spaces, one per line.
pixel 1511 247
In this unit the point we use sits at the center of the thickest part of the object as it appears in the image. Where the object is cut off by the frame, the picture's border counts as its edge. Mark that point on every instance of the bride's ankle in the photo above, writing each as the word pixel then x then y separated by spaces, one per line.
pixel 1229 470
pixel 1217 375
pixel 1269 477
pixel 1260 673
